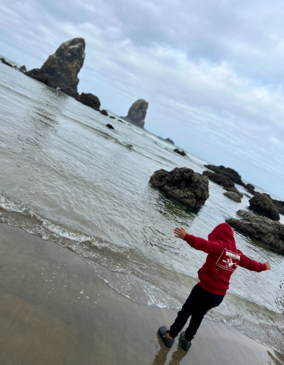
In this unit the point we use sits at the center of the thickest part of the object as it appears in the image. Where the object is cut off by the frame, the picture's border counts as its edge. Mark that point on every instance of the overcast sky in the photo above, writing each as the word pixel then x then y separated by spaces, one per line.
pixel 212 71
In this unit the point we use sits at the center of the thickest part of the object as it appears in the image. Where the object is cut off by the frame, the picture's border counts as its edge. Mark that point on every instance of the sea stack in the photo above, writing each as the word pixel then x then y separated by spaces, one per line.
pixel 64 65
pixel 137 113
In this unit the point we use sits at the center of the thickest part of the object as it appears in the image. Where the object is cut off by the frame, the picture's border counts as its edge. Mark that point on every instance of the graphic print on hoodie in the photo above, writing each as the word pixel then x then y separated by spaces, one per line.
pixel 228 260
pixel 222 260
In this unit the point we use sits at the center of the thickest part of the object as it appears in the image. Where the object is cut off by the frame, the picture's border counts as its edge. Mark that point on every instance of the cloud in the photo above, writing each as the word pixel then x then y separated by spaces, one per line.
pixel 212 73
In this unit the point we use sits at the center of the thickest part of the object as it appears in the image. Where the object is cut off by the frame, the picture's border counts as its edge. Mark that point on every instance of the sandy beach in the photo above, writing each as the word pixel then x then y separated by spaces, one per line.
pixel 55 310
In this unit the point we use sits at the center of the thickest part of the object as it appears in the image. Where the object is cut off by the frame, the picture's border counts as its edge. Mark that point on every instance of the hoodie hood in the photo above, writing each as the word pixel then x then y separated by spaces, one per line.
pixel 223 233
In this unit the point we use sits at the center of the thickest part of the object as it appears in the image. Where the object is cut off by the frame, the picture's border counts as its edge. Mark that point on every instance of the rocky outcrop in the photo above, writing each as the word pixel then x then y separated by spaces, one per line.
pixel 104 112
pixel 235 190
pixel 219 179
pixel 5 62
pixel 71 92
pixel 250 188
pixel 184 184
pixel 182 153
pixel 64 65
pixel 227 171
pixel 61 70
pixel 262 204
pixel 279 205
pixel 41 76
pixel 137 113
pixel 169 140
pixel 234 196
pixel 22 68
pixel 90 100
pixel 109 126
pixel 261 228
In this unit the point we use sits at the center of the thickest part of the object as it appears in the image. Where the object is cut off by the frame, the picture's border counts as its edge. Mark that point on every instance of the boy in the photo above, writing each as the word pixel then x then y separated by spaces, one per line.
pixel 214 277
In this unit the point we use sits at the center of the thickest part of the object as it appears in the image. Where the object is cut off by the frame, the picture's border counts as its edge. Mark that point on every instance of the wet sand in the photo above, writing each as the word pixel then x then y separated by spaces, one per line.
pixel 55 310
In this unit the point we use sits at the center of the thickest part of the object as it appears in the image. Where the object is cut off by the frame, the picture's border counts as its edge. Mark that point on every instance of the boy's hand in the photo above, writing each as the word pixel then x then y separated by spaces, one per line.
pixel 267 264
pixel 180 232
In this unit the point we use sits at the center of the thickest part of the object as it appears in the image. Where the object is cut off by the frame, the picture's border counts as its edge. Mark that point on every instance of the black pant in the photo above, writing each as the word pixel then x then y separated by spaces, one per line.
pixel 197 305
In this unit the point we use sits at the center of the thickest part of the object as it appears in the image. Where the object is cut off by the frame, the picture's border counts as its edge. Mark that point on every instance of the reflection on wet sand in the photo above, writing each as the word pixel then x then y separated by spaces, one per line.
pixel 161 356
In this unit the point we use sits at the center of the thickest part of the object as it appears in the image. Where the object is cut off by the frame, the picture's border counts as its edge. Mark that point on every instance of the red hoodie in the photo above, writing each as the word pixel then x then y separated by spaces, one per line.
pixel 222 260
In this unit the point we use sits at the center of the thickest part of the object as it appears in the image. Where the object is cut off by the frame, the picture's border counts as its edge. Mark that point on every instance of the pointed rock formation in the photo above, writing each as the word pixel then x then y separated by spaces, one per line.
pixel 64 65
pixel 137 113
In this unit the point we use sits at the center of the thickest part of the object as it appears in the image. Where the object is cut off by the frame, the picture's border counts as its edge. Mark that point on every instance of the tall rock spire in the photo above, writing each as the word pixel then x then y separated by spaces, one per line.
pixel 137 113
pixel 64 65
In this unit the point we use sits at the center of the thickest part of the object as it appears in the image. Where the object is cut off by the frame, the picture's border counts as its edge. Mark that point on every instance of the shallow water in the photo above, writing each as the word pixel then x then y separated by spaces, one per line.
pixel 69 179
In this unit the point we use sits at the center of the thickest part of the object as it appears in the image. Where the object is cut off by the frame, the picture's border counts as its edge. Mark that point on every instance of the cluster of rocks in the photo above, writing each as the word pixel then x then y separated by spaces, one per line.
pixel 228 175
pixel 259 227
pixel 169 140
pixel 227 178
pixel 264 208
pixel 219 179
pixel 192 189
pixel 61 71
pixel 22 68
pixel 185 185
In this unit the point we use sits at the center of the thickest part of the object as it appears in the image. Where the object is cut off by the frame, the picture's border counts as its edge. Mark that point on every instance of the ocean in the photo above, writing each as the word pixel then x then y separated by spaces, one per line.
pixel 69 179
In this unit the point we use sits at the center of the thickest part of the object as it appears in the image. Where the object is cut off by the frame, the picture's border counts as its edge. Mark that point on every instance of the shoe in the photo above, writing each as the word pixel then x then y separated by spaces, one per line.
pixel 184 344
pixel 162 331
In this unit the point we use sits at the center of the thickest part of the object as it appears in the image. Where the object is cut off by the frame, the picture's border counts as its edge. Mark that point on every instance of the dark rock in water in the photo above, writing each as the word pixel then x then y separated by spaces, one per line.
pixel 169 140
pixel 71 92
pixel 279 205
pixel 227 171
pixel 250 188
pixel 64 65
pixel 22 68
pixel 180 152
pixel 112 117
pixel 235 190
pixel 104 112
pixel 184 184
pixel 233 196
pixel 41 76
pixel 262 204
pixel 137 113
pixel 261 228
pixel 109 126
pixel 90 100
pixel 6 63
pixel 219 179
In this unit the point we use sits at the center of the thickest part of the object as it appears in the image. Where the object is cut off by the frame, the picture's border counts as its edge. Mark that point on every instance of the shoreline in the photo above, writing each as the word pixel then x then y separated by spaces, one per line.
pixel 55 309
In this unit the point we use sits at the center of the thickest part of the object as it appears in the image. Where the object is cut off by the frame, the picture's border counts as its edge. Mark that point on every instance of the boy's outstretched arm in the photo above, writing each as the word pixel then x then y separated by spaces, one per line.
pixel 252 265
pixel 199 243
